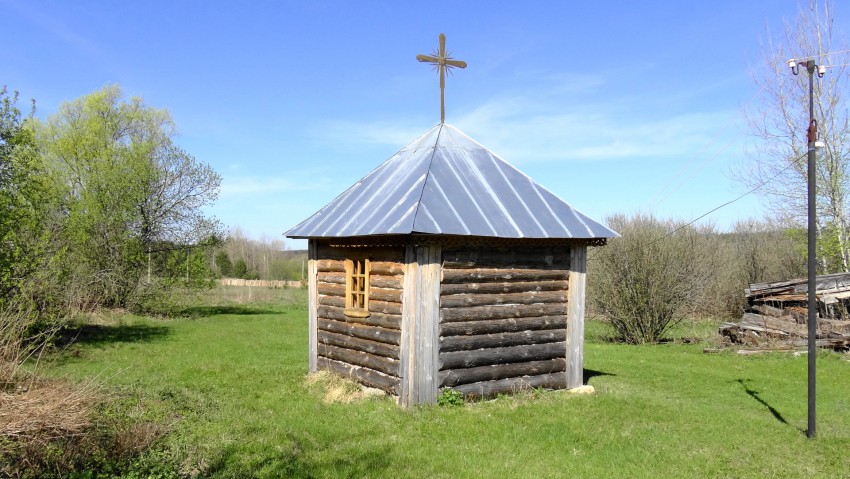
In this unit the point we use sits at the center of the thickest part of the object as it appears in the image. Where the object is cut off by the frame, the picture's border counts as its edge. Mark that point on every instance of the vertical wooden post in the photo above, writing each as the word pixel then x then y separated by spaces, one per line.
pixel 575 316
pixel 420 329
pixel 313 305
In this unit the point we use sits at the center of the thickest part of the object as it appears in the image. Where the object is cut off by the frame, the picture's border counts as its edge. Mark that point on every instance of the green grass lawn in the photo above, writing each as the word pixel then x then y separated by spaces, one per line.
pixel 231 384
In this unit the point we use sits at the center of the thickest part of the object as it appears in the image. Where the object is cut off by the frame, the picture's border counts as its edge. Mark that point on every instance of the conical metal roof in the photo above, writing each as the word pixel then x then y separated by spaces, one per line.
pixel 447 183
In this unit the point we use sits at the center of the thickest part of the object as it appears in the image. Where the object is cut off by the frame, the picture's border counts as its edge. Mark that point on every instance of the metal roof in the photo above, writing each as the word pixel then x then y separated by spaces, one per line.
pixel 447 183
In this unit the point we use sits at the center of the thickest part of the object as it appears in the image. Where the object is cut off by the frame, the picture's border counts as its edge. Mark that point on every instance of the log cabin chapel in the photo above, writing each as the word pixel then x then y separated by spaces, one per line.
pixel 446 267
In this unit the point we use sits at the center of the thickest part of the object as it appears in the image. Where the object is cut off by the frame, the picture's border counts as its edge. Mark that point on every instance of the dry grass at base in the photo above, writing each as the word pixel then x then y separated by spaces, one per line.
pixel 337 389
pixel 47 409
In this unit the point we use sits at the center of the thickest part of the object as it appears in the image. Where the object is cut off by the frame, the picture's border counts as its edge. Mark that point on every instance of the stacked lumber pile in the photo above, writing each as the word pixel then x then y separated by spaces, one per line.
pixel 776 315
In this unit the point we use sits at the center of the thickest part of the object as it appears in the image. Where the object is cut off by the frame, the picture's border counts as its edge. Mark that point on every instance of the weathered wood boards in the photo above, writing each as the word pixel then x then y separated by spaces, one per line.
pixel 503 318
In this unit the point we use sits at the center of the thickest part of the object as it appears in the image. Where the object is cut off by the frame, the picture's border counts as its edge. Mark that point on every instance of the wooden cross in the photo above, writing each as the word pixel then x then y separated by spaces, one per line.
pixel 442 61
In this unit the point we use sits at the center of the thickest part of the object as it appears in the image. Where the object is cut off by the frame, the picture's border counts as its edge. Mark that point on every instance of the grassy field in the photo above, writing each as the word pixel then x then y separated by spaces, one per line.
pixel 230 384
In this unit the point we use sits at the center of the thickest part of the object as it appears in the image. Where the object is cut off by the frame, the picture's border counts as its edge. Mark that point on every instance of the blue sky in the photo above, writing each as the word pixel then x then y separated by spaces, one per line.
pixel 617 107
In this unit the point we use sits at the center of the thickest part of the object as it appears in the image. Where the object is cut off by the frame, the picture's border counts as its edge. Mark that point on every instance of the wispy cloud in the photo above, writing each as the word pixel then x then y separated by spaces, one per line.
pixel 234 186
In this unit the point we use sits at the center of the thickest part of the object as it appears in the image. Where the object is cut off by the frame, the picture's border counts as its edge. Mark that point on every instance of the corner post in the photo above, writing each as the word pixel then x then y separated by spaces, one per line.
pixel 575 316
pixel 312 305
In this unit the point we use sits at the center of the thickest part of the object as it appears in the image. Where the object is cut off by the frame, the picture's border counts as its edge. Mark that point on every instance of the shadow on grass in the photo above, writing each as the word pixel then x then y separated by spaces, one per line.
pixel 755 395
pixel 204 311
pixel 590 373
pixel 298 461
pixel 96 334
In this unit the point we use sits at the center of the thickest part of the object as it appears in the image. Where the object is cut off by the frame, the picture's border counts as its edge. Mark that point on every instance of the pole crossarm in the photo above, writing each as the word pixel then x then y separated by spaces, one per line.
pixel 443 62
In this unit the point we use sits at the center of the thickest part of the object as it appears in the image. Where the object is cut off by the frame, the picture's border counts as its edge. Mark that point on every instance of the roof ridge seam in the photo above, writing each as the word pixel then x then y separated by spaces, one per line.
pixel 427 176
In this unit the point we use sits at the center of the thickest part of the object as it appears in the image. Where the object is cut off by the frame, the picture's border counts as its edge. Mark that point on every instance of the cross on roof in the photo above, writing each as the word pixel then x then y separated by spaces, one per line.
pixel 442 61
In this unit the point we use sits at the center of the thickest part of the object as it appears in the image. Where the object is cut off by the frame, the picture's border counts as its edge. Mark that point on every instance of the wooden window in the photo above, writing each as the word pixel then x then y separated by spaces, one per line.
pixel 357 287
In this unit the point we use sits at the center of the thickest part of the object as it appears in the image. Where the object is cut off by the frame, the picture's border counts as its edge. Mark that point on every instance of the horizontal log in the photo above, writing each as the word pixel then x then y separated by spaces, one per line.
pixel 328 265
pixel 389 336
pixel 375 253
pixel 503 325
pixel 325 300
pixel 530 297
pixel 503 287
pixel 513 385
pixel 387 268
pixel 360 358
pixel 476 313
pixel 511 354
pixel 384 307
pixel 466 343
pixel 358 344
pixel 362 375
pixel 455 377
pixel 380 294
pixel 331 277
pixel 391 321
pixel 503 257
pixel 484 275
pixel 384 281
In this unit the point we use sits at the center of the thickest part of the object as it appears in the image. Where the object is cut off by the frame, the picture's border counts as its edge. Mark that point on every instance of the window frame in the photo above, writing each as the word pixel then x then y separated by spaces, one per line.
pixel 357 267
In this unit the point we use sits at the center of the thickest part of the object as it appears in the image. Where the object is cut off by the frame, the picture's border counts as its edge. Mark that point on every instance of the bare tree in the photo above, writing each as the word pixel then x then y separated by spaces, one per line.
pixel 780 120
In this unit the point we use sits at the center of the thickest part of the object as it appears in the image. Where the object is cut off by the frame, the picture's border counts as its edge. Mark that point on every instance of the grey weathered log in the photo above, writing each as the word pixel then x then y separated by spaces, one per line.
pixel 358 344
pixel 391 321
pixel 529 297
pixel 513 385
pixel 389 336
pixel 476 313
pixel 360 358
pixel 384 307
pixel 451 276
pixel 504 287
pixel 465 343
pixel 512 354
pixel 455 377
pixel 369 377
pixel 503 325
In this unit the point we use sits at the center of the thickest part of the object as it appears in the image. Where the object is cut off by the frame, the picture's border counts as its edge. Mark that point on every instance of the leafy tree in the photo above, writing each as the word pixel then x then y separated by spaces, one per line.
pixel 780 120
pixel 240 268
pixel 126 189
pixel 225 267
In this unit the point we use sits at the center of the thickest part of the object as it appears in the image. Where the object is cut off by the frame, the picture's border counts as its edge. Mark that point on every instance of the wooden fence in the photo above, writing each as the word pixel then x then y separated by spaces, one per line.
pixel 259 282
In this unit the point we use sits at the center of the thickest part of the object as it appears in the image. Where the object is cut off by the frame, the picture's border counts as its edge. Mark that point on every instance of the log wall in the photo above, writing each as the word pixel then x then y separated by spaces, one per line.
pixel 366 349
pixel 503 319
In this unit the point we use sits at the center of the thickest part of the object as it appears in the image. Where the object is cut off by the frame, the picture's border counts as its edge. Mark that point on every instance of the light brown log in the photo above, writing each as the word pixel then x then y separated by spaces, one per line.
pixel 338 301
pixel 452 276
pixel 465 343
pixel 362 375
pixel 389 336
pixel 503 325
pixel 358 344
pixel 387 268
pixel 530 297
pixel 389 282
pixel 513 385
pixel 512 354
pixel 384 307
pixel 374 253
pixel 456 377
pixel 332 277
pixel 328 265
pixel 503 287
pixel 391 321
pixel 378 294
pixel 503 257
pixel 360 358
pixel 476 313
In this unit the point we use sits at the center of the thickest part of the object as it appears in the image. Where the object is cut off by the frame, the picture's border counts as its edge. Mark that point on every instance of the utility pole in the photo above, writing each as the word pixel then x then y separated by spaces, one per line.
pixel 812 135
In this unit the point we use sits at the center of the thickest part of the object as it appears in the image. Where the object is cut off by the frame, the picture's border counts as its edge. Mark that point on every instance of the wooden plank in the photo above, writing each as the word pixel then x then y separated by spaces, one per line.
pixel 408 325
pixel 503 325
pixel 455 377
pixel 358 344
pixel 529 297
pixel 359 358
pixel 452 276
pixel 575 317
pixel 312 307
pixel 362 375
pixel 389 336
pixel 504 287
pixel 512 385
pixel 391 321
pixel 330 265
pixel 477 313
pixel 511 354
pixel 465 343
pixel 426 364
